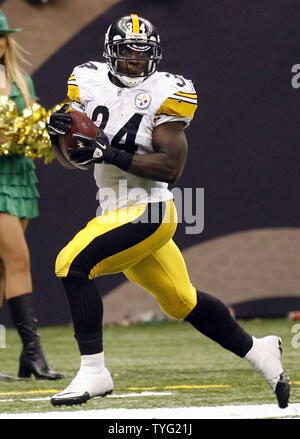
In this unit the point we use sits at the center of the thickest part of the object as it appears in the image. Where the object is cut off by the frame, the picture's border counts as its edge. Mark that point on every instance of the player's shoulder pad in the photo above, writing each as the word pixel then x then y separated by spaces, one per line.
pixel 90 66
pixel 179 82
pixel 79 76
pixel 181 99
pixel 86 69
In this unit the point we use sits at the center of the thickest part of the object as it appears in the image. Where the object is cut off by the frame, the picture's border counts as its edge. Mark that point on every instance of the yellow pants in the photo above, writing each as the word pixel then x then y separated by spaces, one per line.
pixel 138 242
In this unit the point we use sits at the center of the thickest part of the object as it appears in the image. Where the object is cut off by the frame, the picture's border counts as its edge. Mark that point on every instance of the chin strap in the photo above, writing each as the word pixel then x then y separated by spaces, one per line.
pixel 129 82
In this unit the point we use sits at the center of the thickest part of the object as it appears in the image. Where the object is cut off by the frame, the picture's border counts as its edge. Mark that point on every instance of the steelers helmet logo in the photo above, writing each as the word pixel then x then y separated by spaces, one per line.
pixel 142 101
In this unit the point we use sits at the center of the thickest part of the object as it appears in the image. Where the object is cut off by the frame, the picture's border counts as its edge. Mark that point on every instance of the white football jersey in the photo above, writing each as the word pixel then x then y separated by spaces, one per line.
pixel 128 117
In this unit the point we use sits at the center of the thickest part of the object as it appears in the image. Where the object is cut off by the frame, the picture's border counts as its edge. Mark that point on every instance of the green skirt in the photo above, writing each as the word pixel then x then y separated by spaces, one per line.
pixel 18 192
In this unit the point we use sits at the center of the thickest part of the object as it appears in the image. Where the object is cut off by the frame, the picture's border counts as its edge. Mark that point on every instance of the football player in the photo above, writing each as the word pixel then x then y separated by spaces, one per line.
pixel 142 115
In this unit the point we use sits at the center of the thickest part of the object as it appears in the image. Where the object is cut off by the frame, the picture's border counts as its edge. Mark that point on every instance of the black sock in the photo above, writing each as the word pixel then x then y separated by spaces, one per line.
pixel 212 318
pixel 87 311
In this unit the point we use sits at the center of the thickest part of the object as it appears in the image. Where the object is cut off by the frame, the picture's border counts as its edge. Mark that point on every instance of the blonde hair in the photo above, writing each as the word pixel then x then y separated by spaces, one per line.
pixel 12 56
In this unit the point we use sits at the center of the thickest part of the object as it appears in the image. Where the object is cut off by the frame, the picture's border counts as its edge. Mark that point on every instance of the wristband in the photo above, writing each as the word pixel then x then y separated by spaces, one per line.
pixel 121 159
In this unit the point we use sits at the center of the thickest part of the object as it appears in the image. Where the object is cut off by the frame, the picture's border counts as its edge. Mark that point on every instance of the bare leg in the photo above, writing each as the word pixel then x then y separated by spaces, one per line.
pixel 15 255
pixel 12 243
pixel 18 292
pixel 2 282
pixel 24 224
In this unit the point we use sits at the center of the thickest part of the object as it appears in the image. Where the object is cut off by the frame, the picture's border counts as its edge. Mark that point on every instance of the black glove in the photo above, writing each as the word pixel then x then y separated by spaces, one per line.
pixel 90 149
pixel 55 125
pixel 98 150
pixel 57 122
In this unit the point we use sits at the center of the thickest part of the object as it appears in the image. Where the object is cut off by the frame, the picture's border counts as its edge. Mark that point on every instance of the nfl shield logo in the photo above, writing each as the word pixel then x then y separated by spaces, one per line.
pixel 142 101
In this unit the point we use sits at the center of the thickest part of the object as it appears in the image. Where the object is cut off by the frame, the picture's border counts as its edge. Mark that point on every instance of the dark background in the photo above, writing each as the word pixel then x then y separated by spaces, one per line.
pixel 244 140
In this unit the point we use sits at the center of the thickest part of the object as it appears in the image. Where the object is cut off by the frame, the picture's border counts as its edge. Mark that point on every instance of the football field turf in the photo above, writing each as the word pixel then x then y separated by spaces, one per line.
pixel 164 365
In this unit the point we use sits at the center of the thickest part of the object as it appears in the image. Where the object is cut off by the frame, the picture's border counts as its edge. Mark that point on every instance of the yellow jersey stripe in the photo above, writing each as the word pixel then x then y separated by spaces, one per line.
pixel 187 95
pixel 73 93
pixel 72 78
pixel 175 107
pixel 135 23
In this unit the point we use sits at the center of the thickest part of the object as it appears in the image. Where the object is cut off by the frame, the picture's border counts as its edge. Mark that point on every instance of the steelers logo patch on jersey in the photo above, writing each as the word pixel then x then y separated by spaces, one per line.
pixel 142 101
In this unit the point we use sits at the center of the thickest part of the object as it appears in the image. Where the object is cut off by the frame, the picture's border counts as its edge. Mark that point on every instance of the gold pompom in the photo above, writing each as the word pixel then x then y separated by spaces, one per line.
pixel 25 133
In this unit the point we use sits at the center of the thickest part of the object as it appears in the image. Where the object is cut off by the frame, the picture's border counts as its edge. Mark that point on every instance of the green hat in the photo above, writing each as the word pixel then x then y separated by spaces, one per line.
pixel 4 28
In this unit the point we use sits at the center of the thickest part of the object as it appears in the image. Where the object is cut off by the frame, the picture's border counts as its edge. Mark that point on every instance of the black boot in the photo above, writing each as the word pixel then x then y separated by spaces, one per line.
pixel 32 359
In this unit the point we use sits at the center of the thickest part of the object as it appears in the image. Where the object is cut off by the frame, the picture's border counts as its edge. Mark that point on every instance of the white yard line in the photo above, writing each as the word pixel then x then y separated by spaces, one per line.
pixel 261 411
pixel 114 395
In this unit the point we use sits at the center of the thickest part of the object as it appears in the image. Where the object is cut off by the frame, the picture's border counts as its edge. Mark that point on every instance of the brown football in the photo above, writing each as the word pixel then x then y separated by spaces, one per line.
pixel 80 124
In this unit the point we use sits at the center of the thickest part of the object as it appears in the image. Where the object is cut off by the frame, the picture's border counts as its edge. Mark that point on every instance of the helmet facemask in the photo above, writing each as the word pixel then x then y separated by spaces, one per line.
pixel 122 53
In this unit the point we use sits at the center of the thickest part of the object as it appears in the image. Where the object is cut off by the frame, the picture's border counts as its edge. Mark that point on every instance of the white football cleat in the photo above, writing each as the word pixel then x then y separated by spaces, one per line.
pixel 265 357
pixel 92 379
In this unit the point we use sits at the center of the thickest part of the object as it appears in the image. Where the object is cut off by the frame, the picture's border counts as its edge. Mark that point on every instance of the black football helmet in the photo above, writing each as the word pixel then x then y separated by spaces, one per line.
pixel 132 33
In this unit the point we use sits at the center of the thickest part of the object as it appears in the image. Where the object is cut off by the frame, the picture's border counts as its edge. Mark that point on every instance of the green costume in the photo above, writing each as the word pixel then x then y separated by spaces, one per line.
pixel 18 191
